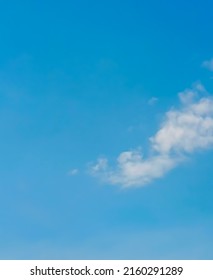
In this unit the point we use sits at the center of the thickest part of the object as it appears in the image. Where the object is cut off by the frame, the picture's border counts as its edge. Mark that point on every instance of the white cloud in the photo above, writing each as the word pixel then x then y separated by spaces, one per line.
pixel 101 165
pixel 208 64
pixel 73 172
pixel 182 132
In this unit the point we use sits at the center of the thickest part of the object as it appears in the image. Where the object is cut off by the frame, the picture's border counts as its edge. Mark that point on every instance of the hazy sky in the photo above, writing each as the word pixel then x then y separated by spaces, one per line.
pixel 106 124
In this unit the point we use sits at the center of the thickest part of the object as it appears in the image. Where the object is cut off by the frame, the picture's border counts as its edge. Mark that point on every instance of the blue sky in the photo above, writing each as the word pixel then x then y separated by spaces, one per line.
pixel 106 123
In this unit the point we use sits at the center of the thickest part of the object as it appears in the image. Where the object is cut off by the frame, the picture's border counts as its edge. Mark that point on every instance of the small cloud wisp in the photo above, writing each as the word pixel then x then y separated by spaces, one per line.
pixel 208 64
pixel 73 172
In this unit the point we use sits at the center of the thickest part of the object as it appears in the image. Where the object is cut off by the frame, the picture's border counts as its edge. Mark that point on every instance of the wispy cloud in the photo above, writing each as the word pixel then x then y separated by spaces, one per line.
pixel 153 101
pixel 73 172
pixel 208 64
pixel 183 131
